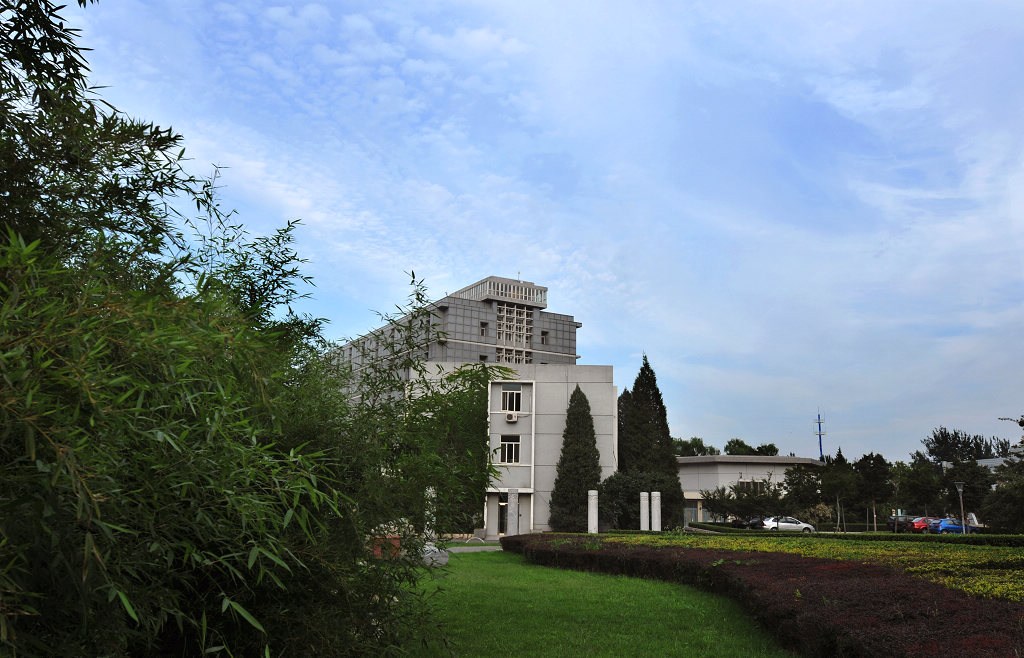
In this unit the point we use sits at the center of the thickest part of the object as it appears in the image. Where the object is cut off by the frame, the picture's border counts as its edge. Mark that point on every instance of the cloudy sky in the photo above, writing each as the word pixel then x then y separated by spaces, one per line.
pixel 790 207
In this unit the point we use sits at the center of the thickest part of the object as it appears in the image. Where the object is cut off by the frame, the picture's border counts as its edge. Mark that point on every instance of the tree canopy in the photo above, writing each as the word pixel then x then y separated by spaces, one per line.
pixel 944 445
pixel 736 446
pixel 693 447
pixel 645 444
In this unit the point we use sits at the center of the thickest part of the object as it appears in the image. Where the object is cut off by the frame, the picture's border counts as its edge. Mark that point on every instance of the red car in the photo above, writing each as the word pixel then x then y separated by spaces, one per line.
pixel 920 524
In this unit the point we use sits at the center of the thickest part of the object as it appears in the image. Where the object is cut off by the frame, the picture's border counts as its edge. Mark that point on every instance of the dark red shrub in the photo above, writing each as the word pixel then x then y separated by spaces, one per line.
pixel 814 606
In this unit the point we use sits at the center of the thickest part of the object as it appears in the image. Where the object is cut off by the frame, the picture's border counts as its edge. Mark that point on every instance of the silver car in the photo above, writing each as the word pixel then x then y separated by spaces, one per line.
pixel 787 523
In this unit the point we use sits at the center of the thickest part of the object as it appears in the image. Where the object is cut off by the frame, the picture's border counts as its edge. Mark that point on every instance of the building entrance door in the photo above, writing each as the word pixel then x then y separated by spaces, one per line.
pixel 502 513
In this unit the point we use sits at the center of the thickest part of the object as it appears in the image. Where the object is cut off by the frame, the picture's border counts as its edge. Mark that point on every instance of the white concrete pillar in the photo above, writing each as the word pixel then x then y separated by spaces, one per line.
pixel 645 510
pixel 592 511
pixel 656 511
pixel 512 524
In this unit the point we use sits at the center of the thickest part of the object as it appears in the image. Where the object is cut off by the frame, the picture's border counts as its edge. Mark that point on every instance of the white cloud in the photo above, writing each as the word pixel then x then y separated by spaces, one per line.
pixel 786 207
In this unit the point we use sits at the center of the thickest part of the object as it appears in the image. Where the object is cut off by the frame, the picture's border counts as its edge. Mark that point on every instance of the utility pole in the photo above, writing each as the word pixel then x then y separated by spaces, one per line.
pixel 821 452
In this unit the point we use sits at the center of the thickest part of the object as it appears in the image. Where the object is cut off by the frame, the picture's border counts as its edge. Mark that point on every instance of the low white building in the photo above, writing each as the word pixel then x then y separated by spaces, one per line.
pixel 709 472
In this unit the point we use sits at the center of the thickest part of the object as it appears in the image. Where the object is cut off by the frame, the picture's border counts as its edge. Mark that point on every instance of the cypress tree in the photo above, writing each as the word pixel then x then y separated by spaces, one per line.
pixel 644 440
pixel 647 460
pixel 579 467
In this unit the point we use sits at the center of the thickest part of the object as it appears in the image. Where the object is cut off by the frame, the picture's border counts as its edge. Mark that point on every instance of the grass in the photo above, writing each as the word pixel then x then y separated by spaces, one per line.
pixel 986 571
pixel 495 604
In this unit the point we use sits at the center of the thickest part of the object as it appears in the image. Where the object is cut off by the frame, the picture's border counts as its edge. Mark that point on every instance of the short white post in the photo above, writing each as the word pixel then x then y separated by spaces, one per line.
pixel 645 510
pixel 512 523
pixel 592 511
pixel 656 511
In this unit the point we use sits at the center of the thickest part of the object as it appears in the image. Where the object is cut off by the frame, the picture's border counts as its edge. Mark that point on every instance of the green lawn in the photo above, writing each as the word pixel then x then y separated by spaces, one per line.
pixel 494 604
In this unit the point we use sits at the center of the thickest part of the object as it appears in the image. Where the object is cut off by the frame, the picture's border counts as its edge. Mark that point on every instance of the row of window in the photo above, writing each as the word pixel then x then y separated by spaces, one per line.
pixel 512 334
pixel 511 400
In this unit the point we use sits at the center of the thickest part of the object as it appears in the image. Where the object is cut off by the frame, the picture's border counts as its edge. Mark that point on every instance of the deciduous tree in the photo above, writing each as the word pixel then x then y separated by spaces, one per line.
pixel 693 447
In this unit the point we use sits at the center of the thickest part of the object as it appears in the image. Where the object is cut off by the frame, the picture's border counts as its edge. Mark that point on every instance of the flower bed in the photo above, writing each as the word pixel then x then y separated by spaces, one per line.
pixel 816 606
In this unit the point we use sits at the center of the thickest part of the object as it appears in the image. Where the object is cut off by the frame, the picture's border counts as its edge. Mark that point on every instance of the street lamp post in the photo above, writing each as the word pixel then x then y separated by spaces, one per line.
pixel 963 520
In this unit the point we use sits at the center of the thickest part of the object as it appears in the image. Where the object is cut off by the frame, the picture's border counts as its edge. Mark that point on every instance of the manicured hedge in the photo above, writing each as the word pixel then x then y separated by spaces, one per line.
pixel 814 606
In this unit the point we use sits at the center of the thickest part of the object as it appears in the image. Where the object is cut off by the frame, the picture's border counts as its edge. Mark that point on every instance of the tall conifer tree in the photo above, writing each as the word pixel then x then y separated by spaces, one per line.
pixel 644 440
pixel 579 467
pixel 647 461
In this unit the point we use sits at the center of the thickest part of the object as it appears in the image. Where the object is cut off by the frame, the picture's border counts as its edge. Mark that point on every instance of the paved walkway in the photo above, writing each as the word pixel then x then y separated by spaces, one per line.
pixel 471 548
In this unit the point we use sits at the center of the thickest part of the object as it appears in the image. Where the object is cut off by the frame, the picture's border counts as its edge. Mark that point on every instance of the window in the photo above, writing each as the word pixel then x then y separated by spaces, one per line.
pixel 483 328
pixel 751 486
pixel 511 397
pixel 514 356
pixel 483 357
pixel 509 449
pixel 543 338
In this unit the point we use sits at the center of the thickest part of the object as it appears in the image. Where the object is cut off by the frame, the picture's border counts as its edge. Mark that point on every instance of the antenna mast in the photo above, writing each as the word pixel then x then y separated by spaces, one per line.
pixel 821 452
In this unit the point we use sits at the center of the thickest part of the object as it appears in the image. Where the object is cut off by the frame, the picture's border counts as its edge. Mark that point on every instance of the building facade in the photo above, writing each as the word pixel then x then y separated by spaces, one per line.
pixel 505 322
pixel 709 472
pixel 527 418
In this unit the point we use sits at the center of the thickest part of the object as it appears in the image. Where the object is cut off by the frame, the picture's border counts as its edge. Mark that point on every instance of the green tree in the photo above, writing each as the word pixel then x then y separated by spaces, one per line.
pixel 579 467
pixel 735 446
pixel 184 467
pixel 919 484
pixel 838 484
pixel 756 499
pixel 693 447
pixel 977 480
pixel 945 445
pixel 647 461
pixel 874 482
pixel 1003 508
pixel 644 440
pixel 802 484
pixel 620 499
pixel 719 502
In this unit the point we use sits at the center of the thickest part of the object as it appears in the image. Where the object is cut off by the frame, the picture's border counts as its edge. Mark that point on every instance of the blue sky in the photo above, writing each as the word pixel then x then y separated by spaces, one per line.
pixel 788 206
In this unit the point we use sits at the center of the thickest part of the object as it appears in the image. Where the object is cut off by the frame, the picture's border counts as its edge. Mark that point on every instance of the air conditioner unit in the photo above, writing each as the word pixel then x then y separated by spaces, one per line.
pixel 511 417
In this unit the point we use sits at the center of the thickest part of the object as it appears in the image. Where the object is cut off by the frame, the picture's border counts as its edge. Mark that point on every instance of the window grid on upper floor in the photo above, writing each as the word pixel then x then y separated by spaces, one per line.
pixel 509 451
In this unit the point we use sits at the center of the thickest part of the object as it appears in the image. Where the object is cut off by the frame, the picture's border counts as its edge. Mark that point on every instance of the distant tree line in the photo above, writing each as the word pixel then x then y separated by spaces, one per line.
pixel 864 491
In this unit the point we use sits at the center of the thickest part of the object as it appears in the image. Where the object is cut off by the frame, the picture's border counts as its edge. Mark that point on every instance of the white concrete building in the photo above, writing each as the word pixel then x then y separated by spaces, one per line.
pixel 527 418
pixel 709 472
pixel 503 321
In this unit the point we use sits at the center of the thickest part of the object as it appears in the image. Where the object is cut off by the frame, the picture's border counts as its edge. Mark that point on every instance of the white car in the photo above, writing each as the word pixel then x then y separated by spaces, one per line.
pixel 787 523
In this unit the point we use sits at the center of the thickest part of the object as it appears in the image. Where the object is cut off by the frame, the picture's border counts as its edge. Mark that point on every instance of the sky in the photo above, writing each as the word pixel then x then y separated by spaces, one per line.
pixel 791 208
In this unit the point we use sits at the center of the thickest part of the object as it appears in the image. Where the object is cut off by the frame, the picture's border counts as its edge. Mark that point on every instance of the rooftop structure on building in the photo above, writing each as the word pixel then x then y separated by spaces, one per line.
pixel 501 320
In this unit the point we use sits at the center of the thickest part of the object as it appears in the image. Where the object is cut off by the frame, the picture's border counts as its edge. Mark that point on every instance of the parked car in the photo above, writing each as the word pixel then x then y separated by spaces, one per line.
pixel 954 527
pixel 933 525
pixel 901 523
pixel 787 523
pixel 920 524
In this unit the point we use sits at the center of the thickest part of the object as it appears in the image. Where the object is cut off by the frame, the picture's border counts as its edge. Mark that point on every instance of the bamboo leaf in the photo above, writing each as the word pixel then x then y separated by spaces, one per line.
pixel 237 607
pixel 127 606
